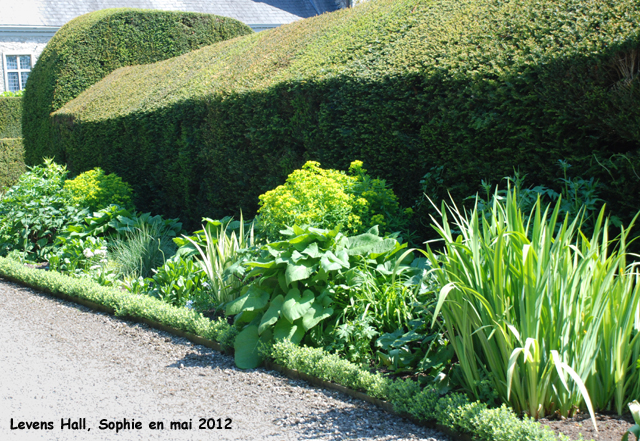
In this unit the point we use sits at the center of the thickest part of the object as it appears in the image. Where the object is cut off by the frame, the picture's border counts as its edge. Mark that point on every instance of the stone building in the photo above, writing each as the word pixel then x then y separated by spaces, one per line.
pixel 27 25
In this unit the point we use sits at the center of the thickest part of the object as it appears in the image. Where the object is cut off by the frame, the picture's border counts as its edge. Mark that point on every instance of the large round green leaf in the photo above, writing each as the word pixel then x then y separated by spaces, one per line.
pixel 273 313
pixel 295 306
pixel 284 330
pixel 247 355
pixel 253 300
pixel 315 315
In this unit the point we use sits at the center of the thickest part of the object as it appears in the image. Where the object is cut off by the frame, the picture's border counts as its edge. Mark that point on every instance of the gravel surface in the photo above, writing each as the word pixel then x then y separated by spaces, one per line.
pixel 63 362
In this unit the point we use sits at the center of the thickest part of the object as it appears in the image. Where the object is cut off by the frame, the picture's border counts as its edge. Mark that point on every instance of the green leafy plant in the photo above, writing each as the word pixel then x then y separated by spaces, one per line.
pixel 529 304
pixel 102 223
pixel 352 340
pixel 328 198
pixel 142 248
pixel 96 190
pixel 220 250
pixel 78 255
pixel 634 406
pixel 178 282
pixel 35 210
pixel 8 93
pixel 294 282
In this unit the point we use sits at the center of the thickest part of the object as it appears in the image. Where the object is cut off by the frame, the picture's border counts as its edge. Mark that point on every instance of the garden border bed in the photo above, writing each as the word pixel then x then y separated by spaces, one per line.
pixel 269 365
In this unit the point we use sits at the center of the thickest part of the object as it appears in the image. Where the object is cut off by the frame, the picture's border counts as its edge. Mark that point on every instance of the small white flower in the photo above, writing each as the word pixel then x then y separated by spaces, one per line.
pixel 95 267
pixel 101 252
pixel 634 406
pixel 189 304
pixel 87 253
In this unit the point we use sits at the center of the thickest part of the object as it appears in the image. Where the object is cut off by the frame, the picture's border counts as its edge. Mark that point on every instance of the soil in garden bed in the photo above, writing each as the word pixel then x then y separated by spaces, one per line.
pixel 610 427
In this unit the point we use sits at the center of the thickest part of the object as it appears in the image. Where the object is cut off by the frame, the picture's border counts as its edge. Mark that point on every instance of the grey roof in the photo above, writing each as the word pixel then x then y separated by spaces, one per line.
pixel 58 12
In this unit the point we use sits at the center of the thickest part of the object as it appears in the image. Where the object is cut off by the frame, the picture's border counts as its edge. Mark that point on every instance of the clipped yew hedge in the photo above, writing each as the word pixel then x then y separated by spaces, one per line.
pixel 89 47
pixel 11 161
pixel 476 86
pixel 10 117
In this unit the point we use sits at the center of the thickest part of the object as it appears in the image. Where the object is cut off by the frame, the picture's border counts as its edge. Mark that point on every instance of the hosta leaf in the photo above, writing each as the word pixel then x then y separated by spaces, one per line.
pixel 246 347
pixel 290 331
pixel 315 315
pixel 298 272
pixel 254 299
pixel 295 306
pixel 362 244
pixel 329 262
pixel 272 314
pixel 384 247
pixel 312 251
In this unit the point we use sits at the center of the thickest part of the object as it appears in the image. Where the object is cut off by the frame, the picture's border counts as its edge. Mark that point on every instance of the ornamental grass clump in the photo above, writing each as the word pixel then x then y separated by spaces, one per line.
pixel 549 318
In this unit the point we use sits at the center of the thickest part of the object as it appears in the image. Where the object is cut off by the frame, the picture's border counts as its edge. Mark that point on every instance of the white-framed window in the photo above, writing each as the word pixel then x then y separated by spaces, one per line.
pixel 16 70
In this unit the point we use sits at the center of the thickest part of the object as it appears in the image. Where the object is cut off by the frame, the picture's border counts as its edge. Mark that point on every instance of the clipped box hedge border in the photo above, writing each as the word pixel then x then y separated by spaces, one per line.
pixel 200 330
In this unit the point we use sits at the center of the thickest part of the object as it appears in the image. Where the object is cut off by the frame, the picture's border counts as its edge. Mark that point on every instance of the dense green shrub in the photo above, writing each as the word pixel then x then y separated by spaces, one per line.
pixel 11 161
pixel 91 46
pixel 35 209
pixel 474 86
pixel 328 198
pixel 95 190
pixel 10 117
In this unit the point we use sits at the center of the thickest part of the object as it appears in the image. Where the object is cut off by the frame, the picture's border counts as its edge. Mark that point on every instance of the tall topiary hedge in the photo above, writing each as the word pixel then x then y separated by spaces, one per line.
pixel 93 45
pixel 10 117
pixel 11 162
pixel 475 86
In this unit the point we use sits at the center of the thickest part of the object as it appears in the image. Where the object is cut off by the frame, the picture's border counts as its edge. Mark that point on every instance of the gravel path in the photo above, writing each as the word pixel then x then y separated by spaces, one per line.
pixel 63 362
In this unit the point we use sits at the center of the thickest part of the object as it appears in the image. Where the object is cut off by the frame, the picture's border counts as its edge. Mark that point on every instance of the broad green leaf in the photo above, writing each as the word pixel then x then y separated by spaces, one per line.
pixel 384 247
pixel 312 251
pixel 314 315
pixel 295 306
pixel 246 347
pixel 254 299
pixel 329 262
pixel 272 314
pixel 298 272
pixel 386 340
pixel 362 244
pixel 289 331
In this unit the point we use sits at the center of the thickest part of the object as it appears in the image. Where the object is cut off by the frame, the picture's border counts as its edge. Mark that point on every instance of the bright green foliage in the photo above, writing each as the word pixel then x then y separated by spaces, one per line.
pixel 219 248
pixel 89 47
pixel 34 210
pixel 328 367
pixel 328 198
pixel 143 247
pixel 10 117
pixel 11 162
pixel 427 405
pixel 122 302
pixel 473 86
pixel 81 257
pixel 108 221
pixel 176 282
pixel 95 190
pixel 8 93
pixel 543 311
pixel 295 282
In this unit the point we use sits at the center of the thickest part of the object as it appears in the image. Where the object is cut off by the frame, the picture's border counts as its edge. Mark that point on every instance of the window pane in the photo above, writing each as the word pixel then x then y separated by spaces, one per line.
pixel 25 62
pixel 12 62
pixel 23 78
pixel 14 85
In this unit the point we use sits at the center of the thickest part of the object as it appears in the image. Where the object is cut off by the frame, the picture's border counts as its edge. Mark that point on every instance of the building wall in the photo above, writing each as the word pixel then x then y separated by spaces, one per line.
pixel 29 46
